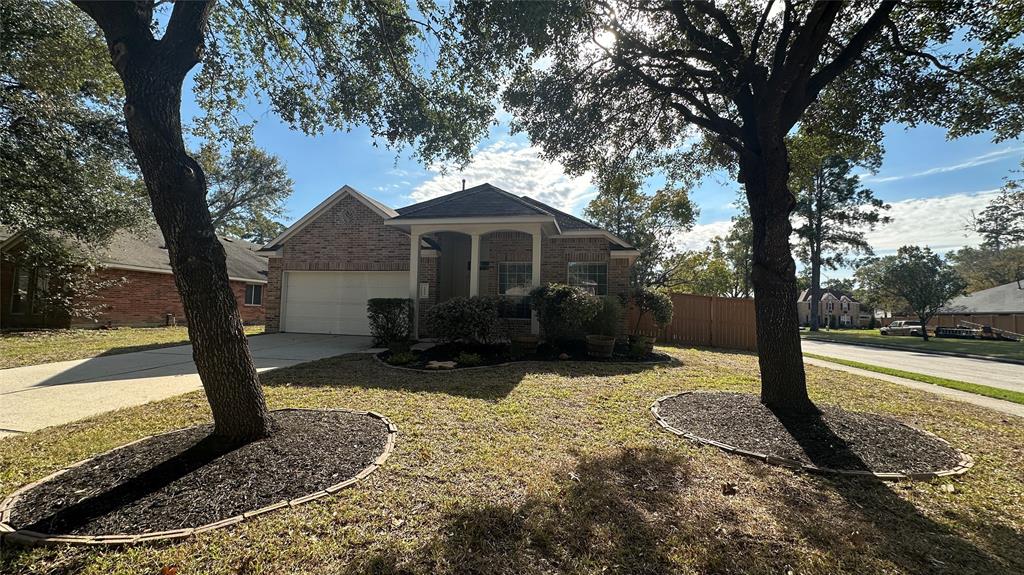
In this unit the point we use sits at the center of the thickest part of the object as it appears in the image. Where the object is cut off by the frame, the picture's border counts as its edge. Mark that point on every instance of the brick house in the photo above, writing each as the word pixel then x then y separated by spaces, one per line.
pixel 833 303
pixel 142 293
pixel 479 241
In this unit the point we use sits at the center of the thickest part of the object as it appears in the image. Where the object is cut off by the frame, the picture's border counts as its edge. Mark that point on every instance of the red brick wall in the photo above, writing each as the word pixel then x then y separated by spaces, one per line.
pixel 146 298
pixel 348 237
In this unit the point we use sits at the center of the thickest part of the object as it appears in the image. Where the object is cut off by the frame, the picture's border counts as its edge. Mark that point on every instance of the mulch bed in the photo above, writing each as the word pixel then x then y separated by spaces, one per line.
pixel 835 439
pixel 186 479
pixel 501 353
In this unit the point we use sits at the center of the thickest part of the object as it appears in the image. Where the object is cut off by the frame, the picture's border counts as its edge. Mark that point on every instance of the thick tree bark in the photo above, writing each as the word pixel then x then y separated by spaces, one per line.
pixel 765 174
pixel 153 72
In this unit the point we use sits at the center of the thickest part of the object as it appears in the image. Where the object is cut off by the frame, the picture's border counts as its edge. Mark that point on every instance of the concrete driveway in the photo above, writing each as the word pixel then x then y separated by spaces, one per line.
pixel 39 396
pixel 985 372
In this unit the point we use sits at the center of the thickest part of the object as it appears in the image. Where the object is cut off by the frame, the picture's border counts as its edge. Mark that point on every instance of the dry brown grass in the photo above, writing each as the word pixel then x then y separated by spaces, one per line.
pixel 560 468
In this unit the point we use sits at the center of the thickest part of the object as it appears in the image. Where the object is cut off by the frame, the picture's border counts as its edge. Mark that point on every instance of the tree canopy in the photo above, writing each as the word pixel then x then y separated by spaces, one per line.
pixel 65 164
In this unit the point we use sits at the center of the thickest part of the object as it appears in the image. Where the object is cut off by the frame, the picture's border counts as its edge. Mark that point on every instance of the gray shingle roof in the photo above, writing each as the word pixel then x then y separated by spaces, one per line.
pixel 478 201
pixel 565 221
pixel 146 250
pixel 1007 298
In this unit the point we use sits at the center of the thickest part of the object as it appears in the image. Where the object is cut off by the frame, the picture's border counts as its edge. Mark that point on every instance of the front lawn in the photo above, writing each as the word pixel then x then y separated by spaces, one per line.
pixel 560 468
pixel 996 349
pixel 19 348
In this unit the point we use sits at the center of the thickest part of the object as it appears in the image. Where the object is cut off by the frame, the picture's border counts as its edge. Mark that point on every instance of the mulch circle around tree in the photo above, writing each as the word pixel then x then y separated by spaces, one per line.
pixel 832 441
pixel 184 482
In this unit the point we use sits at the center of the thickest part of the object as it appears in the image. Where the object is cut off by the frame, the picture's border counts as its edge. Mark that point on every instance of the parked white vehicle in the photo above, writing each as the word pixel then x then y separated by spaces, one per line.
pixel 902 327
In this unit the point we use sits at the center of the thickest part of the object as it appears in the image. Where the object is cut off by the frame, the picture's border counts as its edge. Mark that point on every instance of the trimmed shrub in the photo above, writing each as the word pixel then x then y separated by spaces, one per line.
pixel 390 319
pixel 563 311
pixel 608 319
pixel 469 359
pixel 656 303
pixel 401 358
pixel 469 319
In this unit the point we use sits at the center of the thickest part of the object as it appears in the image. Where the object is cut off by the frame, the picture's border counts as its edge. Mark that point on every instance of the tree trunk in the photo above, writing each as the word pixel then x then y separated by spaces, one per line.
pixel 924 327
pixel 765 174
pixel 815 289
pixel 152 73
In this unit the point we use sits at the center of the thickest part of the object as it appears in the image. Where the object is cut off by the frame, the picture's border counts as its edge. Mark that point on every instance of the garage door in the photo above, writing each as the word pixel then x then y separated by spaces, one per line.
pixel 335 302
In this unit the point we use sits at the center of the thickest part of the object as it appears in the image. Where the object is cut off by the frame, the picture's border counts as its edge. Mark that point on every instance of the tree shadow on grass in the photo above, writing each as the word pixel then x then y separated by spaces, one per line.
pixel 893 527
pixel 491 383
pixel 69 518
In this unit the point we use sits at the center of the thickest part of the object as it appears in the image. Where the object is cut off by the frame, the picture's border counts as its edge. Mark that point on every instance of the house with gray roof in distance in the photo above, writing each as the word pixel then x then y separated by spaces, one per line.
pixel 138 284
pixel 1001 307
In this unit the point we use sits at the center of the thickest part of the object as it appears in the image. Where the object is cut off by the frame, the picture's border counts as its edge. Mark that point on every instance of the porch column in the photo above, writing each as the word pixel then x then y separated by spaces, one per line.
pixel 414 281
pixel 474 265
pixel 535 278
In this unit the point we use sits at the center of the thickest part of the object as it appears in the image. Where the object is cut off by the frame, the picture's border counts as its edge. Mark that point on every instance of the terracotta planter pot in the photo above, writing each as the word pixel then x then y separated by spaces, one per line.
pixel 524 345
pixel 600 345
pixel 646 342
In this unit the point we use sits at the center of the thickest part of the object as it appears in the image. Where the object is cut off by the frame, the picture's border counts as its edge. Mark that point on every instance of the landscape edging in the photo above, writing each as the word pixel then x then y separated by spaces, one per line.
pixel 966 461
pixel 376 356
pixel 24 536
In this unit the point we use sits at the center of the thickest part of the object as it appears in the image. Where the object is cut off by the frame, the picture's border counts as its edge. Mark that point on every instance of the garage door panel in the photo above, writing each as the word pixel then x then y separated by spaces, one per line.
pixel 335 302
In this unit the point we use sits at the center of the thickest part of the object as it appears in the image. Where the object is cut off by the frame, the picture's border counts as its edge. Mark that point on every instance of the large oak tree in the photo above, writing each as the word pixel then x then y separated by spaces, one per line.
pixel 699 83
pixel 334 63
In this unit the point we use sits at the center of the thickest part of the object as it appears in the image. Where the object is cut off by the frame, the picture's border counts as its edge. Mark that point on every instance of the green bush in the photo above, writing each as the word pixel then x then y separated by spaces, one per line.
pixel 470 319
pixel 469 359
pixel 608 319
pixel 401 358
pixel 390 319
pixel 563 311
pixel 656 303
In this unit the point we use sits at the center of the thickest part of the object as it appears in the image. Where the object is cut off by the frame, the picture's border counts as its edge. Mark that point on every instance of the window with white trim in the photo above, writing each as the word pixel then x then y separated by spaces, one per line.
pixel 591 276
pixel 515 279
pixel 253 294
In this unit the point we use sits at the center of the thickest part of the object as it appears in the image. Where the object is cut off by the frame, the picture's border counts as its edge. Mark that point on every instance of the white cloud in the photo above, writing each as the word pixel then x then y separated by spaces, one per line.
pixel 988 158
pixel 701 235
pixel 934 222
pixel 516 168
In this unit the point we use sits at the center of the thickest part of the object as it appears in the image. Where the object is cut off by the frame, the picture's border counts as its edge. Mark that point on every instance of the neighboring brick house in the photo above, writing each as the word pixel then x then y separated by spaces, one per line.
pixel 833 303
pixel 142 293
pixel 479 241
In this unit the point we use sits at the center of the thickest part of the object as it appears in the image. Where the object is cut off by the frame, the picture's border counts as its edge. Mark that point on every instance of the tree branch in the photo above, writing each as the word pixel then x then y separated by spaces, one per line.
pixel 182 43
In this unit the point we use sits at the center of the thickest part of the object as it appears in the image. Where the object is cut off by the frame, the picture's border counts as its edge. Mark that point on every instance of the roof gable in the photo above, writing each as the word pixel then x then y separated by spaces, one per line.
pixel 344 192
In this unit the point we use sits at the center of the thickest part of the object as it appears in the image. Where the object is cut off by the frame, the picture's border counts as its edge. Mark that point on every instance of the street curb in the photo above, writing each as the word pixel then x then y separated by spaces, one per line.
pixel 928 351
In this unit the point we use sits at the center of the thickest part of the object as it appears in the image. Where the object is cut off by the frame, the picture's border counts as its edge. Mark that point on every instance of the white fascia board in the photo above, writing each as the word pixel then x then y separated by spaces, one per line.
pixel 346 190
pixel 131 268
pixel 596 234
pixel 624 253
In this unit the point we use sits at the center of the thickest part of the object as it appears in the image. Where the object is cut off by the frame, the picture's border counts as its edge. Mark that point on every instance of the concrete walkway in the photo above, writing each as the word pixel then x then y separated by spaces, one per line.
pixel 985 372
pixel 1007 407
pixel 39 396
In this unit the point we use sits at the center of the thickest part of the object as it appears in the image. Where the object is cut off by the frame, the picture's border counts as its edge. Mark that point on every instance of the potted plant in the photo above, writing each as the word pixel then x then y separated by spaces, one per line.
pixel 603 329
pixel 659 306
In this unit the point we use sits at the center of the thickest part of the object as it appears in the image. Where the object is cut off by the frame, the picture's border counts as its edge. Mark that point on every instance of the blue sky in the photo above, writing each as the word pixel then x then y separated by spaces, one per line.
pixel 932 183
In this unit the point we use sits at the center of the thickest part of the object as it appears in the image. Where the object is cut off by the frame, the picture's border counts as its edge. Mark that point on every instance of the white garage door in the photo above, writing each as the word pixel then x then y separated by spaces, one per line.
pixel 335 302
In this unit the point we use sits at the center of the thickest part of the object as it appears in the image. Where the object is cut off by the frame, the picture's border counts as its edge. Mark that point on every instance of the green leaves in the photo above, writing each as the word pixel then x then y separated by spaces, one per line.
pixel 915 279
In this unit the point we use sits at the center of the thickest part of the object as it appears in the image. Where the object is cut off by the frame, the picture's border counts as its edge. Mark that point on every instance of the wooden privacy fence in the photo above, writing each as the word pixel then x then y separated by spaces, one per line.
pixel 706 321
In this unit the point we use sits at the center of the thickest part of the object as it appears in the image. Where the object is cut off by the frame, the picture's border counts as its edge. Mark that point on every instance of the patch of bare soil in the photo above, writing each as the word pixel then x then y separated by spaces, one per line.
pixel 188 479
pixel 831 438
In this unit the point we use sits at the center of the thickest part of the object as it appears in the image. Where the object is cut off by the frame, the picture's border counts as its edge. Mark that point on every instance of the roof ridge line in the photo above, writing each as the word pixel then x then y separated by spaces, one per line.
pixel 445 198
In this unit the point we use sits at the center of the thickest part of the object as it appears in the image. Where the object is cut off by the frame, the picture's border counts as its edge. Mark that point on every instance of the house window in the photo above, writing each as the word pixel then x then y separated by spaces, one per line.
pixel 514 282
pixel 41 291
pixel 830 306
pixel 514 279
pixel 592 277
pixel 19 295
pixel 253 294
